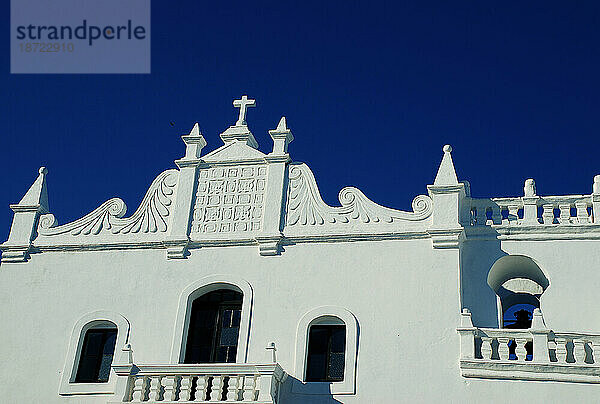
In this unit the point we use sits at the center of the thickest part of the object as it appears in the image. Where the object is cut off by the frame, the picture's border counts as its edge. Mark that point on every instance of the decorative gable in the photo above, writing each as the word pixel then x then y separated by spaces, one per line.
pixel 234 195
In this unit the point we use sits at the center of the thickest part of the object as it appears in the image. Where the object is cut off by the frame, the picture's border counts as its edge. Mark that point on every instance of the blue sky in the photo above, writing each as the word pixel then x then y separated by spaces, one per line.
pixel 371 90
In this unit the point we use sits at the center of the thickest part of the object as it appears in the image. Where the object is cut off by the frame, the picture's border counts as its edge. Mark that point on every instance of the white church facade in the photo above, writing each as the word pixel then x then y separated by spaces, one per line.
pixel 233 281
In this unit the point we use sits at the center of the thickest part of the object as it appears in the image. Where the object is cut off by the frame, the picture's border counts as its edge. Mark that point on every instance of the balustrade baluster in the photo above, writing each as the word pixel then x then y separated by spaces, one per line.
pixel 216 390
pixel 579 351
pixel 565 213
pixel 201 386
pixel 551 350
pixel 481 215
pixel 513 214
pixel 169 384
pixel 249 388
pixel 233 388
pixel 561 350
pixel 155 388
pixel 520 351
pixel 503 348
pixel 185 386
pixel 504 219
pixel 496 215
pixel 582 214
pixel 548 214
pixel 139 389
pixel 486 348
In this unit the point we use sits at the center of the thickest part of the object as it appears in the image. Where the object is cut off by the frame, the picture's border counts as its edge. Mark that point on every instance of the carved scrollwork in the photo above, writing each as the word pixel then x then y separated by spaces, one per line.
pixel 306 207
pixel 150 217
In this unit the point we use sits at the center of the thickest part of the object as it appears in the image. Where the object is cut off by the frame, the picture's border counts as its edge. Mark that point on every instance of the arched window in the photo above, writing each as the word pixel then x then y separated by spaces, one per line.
pixel 519 283
pixel 213 321
pixel 214 327
pixel 97 353
pixel 326 350
pixel 94 340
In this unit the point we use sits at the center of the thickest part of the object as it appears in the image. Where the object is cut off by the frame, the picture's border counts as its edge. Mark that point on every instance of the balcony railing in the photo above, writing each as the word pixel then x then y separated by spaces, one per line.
pixel 202 383
pixel 534 210
pixel 536 353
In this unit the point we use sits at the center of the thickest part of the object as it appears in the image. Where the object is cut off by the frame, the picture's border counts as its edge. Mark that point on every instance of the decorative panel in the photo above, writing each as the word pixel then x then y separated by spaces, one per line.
pixel 229 199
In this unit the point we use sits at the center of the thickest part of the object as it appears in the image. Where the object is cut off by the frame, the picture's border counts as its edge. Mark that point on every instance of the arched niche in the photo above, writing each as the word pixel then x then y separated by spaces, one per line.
pixel 519 283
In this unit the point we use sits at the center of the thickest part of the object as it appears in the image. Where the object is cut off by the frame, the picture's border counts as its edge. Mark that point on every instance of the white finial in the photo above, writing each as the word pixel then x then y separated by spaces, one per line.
pixel 243 104
pixel 195 130
pixel 446 174
pixel 194 142
pixel 37 193
pixel 281 136
pixel 282 126
pixel 126 355
pixel 271 347
pixel 596 188
pixel 529 188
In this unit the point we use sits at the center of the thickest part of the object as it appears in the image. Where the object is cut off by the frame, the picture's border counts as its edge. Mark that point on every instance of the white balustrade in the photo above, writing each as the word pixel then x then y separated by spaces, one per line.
pixel 529 354
pixel 538 211
pixel 518 345
pixel 534 210
pixel 205 383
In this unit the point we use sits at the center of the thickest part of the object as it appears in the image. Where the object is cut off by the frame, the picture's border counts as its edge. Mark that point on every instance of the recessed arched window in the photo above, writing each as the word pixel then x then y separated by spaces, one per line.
pixel 326 352
pixel 91 352
pixel 519 284
pixel 97 354
pixel 325 360
pixel 214 327
pixel 213 321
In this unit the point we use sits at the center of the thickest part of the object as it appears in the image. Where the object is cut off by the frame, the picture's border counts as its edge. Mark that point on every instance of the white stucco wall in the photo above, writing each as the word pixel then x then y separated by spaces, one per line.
pixel 404 295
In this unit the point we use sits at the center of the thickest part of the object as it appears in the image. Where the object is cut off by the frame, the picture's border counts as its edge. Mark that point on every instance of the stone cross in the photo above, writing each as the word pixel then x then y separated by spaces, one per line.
pixel 243 104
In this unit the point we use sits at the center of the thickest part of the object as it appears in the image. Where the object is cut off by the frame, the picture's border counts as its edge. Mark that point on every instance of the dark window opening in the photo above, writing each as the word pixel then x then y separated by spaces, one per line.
pixel 326 353
pixel 96 355
pixel 214 328
pixel 518 316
